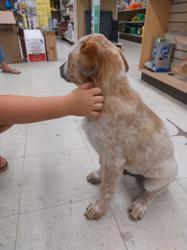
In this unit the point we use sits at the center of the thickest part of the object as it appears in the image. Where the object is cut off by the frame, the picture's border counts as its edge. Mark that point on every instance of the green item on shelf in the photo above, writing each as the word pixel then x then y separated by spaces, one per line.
pixel 140 17
pixel 133 30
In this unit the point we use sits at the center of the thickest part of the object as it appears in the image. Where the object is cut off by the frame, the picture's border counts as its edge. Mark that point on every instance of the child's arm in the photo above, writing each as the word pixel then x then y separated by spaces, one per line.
pixel 83 101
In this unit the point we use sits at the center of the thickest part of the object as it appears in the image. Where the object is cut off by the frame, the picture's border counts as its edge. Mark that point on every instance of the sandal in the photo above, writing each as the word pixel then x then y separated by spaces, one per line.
pixel 12 71
pixel 3 164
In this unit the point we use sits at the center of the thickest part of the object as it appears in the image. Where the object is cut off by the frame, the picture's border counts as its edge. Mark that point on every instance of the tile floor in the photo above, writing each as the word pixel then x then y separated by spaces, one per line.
pixel 44 193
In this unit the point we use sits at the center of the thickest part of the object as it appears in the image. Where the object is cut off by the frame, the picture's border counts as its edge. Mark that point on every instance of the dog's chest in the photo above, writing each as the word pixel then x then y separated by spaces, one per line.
pixel 98 131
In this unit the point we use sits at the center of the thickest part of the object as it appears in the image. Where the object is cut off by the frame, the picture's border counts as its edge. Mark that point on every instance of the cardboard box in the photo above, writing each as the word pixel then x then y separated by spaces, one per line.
pixel 35 45
pixel 50 43
pixel 8 37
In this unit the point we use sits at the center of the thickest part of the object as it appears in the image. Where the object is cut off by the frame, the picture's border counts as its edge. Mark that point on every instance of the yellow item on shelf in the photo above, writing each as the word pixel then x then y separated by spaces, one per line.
pixel 43 12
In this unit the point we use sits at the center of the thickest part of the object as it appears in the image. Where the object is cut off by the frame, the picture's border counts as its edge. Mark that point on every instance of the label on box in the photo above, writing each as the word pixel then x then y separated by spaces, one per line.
pixel 36 57
pixel 35 46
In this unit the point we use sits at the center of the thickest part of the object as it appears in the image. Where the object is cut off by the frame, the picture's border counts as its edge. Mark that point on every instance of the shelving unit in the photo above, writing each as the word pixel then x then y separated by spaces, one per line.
pixel 81 6
pixel 124 20
pixel 159 19
pixel 131 37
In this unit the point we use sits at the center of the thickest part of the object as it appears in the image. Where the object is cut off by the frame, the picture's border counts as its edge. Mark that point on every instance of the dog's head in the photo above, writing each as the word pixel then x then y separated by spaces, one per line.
pixel 93 57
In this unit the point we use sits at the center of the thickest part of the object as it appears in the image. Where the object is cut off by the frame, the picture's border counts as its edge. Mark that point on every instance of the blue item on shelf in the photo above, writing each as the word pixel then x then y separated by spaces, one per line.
pixel 8 4
pixel 161 56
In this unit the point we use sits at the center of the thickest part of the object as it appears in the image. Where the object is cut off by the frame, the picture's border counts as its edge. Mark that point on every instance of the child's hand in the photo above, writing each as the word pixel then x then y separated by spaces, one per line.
pixel 86 101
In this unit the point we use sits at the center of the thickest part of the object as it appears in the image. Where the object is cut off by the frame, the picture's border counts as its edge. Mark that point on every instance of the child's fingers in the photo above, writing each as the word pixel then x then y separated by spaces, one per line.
pixel 96 91
pixel 94 113
pixel 86 85
pixel 98 106
pixel 98 99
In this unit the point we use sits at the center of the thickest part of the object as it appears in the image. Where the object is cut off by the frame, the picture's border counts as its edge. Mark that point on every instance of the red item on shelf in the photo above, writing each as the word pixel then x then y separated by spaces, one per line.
pixel 135 6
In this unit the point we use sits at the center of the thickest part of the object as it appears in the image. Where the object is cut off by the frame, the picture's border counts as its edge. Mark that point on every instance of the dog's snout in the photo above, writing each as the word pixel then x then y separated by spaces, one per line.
pixel 62 73
pixel 62 66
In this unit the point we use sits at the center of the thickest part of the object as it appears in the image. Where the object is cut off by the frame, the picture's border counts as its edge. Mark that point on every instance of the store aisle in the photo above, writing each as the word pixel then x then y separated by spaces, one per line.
pixel 44 193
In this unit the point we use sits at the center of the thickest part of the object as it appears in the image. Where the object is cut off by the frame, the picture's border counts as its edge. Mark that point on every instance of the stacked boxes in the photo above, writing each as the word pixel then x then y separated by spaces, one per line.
pixel 50 43
pixel 9 38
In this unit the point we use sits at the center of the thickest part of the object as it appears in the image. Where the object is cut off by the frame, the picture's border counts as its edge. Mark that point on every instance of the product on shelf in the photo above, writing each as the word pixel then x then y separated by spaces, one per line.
pixel 161 56
pixel 133 30
pixel 35 45
pixel 131 4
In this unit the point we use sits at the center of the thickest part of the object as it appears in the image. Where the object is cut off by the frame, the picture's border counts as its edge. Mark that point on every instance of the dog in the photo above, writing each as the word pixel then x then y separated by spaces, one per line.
pixel 128 135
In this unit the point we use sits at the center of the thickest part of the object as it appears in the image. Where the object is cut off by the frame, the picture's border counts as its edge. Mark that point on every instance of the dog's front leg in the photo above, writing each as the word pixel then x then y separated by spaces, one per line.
pixel 109 178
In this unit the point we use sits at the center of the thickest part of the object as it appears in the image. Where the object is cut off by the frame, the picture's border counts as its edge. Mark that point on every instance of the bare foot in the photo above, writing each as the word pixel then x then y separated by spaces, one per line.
pixel 10 70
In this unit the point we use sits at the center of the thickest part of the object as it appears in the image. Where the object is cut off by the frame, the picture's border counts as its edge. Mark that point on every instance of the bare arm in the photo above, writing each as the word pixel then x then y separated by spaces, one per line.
pixel 24 109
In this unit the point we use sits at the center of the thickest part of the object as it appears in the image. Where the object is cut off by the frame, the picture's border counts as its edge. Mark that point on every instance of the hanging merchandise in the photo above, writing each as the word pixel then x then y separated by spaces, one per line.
pixel 95 20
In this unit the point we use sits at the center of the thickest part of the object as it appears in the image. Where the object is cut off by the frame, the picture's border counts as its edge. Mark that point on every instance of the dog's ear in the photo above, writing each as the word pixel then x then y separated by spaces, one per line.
pixel 124 60
pixel 88 59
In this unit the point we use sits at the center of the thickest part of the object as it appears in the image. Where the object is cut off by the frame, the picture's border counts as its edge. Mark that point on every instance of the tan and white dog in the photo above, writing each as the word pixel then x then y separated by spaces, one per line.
pixel 127 135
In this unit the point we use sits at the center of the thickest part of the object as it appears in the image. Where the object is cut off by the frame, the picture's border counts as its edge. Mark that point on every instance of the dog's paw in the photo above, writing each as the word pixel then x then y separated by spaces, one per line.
pixel 94 178
pixel 95 210
pixel 137 209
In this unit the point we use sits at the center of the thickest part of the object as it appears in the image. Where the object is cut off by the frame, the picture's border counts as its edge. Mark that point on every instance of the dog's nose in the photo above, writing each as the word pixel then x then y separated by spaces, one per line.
pixel 62 71
pixel 61 67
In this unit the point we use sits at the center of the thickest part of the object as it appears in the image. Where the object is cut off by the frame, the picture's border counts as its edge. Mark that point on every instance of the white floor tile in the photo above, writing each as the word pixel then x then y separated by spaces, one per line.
pixel 66 228
pixel 180 155
pixel 53 179
pixel 14 84
pixel 10 185
pixel 13 142
pixel 52 138
pixel 47 84
pixel 66 123
pixel 164 225
pixel 8 232
pixel 183 183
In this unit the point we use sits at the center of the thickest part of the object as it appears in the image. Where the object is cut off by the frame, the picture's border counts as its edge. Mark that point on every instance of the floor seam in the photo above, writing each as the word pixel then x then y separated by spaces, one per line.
pixel 181 186
pixel 118 228
pixel 59 205
pixel 21 183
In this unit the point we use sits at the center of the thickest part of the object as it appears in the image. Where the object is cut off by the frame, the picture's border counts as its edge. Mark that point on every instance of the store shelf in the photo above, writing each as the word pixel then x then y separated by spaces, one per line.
pixel 131 22
pixel 167 79
pixel 169 84
pixel 129 34
pixel 123 19
pixel 158 15
pixel 133 10
pixel 68 40
pixel 55 10
pixel 131 37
